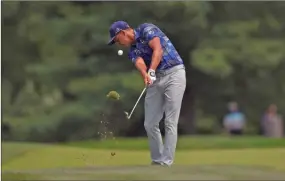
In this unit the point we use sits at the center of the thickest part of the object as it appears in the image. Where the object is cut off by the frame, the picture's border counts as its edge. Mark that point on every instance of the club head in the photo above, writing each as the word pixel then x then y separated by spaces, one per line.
pixel 127 115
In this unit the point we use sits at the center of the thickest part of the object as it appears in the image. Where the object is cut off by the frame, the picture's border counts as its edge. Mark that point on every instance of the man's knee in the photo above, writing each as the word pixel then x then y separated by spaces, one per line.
pixel 149 126
pixel 171 127
pixel 171 119
pixel 146 126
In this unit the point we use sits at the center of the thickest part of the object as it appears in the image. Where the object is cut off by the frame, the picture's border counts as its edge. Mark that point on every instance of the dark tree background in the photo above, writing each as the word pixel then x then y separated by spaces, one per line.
pixel 57 68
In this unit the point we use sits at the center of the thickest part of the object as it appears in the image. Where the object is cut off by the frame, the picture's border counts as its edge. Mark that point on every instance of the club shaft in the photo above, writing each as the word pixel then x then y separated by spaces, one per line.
pixel 136 103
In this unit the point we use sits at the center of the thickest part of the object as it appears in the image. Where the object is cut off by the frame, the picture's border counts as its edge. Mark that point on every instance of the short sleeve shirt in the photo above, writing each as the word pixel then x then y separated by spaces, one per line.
pixel 145 33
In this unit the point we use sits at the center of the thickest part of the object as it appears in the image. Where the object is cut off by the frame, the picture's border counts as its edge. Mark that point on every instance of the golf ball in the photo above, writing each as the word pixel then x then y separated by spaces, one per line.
pixel 120 52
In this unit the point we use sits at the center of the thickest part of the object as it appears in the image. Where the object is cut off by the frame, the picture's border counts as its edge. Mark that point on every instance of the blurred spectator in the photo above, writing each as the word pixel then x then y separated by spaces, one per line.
pixel 234 121
pixel 272 123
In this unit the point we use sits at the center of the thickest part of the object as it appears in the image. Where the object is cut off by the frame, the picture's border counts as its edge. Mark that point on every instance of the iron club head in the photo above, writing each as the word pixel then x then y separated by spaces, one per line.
pixel 127 115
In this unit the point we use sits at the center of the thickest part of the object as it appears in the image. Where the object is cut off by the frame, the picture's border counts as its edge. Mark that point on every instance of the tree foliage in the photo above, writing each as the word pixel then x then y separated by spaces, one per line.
pixel 57 67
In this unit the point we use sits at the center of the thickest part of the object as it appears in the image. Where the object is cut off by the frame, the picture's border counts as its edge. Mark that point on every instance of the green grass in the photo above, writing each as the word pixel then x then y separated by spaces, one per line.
pixel 186 143
pixel 59 156
pixel 12 151
pixel 83 160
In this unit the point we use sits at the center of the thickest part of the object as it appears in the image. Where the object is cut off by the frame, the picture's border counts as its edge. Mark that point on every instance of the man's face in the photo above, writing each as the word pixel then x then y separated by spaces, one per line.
pixel 233 107
pixel 273 109
pixel 123 39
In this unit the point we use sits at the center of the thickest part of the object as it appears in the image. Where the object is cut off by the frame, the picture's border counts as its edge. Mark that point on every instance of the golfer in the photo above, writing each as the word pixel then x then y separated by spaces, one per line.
pixel 163 73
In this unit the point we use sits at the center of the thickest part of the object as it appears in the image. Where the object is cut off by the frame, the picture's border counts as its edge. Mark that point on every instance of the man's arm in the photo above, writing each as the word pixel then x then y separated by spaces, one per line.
pixel 151 35
pixel 136 58
pixel 140 65
pixel 157 52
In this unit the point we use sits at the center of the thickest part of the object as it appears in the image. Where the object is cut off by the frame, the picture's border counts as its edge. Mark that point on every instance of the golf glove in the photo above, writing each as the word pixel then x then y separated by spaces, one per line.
pixel 151 74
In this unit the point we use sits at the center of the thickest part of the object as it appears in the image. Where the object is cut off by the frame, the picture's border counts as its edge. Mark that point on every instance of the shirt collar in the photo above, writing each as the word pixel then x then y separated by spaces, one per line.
pixel 137 34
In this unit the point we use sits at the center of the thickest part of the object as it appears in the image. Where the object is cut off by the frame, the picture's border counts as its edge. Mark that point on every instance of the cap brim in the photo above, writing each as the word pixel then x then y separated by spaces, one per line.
pixel 111 42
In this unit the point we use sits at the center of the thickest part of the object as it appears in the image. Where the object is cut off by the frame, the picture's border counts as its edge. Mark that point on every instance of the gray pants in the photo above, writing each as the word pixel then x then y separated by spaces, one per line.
pixel 164 96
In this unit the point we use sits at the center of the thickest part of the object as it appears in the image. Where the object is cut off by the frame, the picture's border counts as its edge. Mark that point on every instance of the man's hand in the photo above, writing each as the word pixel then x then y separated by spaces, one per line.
pixel 147 79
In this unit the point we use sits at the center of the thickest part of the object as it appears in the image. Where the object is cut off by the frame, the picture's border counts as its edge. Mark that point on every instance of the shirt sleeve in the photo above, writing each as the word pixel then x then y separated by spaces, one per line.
pixel 149 33
pixel 134 54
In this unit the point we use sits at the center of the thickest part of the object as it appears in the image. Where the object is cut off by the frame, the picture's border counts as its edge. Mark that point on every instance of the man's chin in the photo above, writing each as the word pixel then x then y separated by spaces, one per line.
pixel 127 45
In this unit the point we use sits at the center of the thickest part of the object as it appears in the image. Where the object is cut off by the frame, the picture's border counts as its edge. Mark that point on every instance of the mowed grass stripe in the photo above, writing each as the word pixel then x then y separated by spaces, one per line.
pixel 176 172
pixel 62 156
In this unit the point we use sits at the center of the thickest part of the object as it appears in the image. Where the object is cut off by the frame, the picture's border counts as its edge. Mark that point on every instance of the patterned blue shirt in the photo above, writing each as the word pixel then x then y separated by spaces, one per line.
pixel 143 34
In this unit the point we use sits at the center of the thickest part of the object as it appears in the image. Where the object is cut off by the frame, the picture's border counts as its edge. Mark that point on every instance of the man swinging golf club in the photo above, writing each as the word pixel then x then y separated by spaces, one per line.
pixel 164 75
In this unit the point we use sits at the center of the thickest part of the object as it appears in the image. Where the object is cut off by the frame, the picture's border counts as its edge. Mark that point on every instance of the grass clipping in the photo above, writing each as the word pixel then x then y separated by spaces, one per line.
pixel 104 130
pixel 113 95
pixel 106 133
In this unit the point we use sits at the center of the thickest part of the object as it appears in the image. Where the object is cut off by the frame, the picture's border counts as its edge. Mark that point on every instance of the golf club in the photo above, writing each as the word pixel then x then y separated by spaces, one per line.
pixel 129 115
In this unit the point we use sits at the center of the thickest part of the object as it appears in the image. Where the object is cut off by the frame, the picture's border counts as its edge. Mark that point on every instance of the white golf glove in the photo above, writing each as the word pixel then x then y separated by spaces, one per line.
pixel 151 74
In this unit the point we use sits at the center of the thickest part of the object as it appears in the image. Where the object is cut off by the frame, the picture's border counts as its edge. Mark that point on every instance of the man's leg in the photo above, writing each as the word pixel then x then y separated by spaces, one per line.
pixel 174 91
pixel 153 115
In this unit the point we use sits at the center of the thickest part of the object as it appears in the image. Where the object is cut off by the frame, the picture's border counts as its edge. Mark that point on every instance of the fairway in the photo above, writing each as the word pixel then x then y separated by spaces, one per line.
pixel 64 163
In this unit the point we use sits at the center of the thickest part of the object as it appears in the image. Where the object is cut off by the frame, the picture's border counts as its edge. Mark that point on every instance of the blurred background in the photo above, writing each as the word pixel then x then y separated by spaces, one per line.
pixel 57 68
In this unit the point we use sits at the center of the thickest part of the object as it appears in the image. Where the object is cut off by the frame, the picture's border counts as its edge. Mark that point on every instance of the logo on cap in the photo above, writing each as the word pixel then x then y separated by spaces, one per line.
pixel 117 30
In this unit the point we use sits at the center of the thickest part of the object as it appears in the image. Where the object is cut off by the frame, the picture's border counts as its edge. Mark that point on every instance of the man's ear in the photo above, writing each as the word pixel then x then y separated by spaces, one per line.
pixel 124 32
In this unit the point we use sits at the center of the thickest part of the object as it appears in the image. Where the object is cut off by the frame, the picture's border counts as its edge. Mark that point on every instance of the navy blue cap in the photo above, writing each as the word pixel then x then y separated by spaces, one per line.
pixel 115 28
